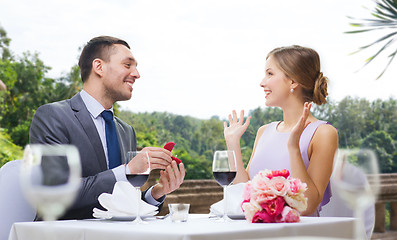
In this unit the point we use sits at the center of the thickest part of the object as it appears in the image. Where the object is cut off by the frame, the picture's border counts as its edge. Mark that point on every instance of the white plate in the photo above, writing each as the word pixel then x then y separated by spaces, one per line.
pixel 237 216
pixel 128 218
pixel 105 215
pixel 233 216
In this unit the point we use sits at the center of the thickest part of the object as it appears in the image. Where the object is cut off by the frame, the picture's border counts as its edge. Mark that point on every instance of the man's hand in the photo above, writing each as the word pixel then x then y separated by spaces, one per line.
pixel 170 179
pixel 159 159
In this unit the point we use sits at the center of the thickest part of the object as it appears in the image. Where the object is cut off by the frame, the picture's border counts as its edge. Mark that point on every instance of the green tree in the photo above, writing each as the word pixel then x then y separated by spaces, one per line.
pixel 70 84
pixel 350 117
pixel 383 146
pixel 325 112
pixel 385 115
pixel 28 88
pixel 4 45
pixel 197 166
pixel 8 150
pixel 26 91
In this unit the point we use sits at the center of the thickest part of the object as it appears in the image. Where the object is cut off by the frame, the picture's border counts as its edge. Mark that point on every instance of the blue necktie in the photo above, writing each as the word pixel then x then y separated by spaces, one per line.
pixel 112 141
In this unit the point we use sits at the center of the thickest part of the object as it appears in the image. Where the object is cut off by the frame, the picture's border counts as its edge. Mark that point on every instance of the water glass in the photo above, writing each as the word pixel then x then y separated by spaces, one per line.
pixel 179 212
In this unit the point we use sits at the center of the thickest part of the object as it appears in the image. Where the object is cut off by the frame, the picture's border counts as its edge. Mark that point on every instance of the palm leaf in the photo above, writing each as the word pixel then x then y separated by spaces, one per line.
pixel 385 17
pixel 380 50
pixel 390 6
pixel 382 15
pixel 375 23
pixel 391 56
pixel 360 31
pixel 379 40
pixel 371 29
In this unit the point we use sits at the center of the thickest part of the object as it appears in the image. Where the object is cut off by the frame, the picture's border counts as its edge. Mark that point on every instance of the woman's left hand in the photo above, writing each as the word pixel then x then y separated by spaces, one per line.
pixel 296 132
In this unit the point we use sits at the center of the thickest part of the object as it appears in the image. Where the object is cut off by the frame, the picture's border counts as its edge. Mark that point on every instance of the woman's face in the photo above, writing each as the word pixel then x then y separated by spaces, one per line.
pixel 276 84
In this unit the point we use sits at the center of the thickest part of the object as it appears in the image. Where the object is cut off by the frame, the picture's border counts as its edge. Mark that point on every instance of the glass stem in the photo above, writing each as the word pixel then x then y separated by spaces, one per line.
pixel 225 202
pixel 138 217
pixel 359 230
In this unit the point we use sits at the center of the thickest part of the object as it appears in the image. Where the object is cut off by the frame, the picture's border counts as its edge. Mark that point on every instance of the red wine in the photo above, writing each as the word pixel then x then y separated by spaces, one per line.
pixel 137 180
pixel 224 178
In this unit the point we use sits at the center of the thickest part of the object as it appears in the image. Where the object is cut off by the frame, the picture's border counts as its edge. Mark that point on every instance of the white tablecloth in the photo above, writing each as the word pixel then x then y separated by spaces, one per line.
pixel 199 226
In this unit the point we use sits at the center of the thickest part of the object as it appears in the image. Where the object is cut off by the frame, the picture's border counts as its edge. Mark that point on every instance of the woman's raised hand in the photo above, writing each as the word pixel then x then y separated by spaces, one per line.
pixel 296 132
pixel 236 128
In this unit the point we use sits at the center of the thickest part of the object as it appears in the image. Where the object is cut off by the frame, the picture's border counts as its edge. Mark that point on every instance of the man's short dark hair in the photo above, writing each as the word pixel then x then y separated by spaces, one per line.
pixel 98 47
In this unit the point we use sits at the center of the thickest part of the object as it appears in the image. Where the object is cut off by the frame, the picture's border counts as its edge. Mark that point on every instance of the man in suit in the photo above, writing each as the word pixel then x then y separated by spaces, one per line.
pixel 108 71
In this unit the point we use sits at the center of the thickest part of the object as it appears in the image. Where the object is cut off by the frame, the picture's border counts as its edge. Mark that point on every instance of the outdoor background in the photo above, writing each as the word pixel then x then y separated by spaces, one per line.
pixel 198 61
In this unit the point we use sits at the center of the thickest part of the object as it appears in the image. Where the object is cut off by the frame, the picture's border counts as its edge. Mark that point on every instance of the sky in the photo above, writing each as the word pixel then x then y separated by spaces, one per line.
pixel 203 58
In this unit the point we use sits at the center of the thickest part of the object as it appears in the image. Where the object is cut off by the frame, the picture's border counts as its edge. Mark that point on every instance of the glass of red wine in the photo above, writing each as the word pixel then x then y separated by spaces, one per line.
pixel 137 173
pixel 224 169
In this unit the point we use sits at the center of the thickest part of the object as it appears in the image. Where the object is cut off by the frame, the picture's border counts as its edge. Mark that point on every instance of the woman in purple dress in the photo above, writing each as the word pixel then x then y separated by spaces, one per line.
pixel 300 143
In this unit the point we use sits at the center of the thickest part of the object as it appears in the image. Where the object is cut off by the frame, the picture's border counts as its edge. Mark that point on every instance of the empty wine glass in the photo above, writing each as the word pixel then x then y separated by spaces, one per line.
pixel 50 178
pixel 137 172
pixel 356 178
pixel 224 169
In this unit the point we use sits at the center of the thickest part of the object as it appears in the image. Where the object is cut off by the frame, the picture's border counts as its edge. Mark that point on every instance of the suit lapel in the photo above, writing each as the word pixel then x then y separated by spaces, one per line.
pixel 84 117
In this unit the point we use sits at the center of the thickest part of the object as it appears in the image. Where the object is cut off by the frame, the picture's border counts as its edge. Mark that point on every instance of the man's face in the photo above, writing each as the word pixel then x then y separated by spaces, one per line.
pixel 120 73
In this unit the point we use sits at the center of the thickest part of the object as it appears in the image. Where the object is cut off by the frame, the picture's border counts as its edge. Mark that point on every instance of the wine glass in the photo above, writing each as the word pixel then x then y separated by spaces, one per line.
pixel 356 178
pixel 224 169
pixel 137 173
pixel 50 178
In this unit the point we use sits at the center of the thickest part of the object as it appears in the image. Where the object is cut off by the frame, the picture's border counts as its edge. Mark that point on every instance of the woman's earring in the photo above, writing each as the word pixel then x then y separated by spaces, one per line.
pixel 292 90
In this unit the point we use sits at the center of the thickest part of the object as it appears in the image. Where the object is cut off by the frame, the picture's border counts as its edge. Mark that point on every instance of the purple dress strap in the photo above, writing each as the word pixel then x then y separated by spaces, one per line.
pixel 272 152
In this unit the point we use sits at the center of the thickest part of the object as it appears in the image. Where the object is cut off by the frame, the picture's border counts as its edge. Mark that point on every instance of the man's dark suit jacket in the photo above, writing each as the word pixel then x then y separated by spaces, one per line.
pixel 69 122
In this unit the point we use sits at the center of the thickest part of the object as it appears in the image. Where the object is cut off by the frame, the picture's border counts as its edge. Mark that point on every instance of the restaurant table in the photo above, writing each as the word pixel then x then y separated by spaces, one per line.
pixel 198 226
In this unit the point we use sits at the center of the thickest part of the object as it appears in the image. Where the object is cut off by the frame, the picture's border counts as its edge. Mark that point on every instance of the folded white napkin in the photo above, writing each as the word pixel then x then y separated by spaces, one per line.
pixel 123 203
pixel 234 199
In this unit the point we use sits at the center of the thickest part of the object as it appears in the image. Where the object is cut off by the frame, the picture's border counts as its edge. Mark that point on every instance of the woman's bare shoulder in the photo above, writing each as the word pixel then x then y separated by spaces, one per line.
pixel 262 129
pixel 326 133
pixel 327 129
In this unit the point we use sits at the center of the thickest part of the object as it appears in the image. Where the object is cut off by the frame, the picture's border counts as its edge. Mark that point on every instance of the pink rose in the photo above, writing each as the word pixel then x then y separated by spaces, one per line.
pixel 263 217
pixel 289 215
pixel 262 196
pixel 260 184
pixel 277 173
pixel 296 186
pixel 279 186
pixel 274 207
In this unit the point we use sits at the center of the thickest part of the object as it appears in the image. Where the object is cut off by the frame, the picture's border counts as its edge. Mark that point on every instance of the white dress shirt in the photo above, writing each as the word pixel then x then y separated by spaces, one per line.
pixel 95 109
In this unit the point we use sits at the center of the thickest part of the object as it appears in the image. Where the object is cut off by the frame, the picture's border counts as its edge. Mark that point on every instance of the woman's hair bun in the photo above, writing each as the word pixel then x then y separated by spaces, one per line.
pixel 320 89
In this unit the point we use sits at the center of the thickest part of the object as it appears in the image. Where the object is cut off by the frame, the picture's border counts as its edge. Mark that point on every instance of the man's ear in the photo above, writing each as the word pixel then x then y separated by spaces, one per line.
pixel 97 66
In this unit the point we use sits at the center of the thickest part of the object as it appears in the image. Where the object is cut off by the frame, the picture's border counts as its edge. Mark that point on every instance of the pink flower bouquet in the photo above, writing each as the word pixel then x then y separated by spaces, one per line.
pixel 274 197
